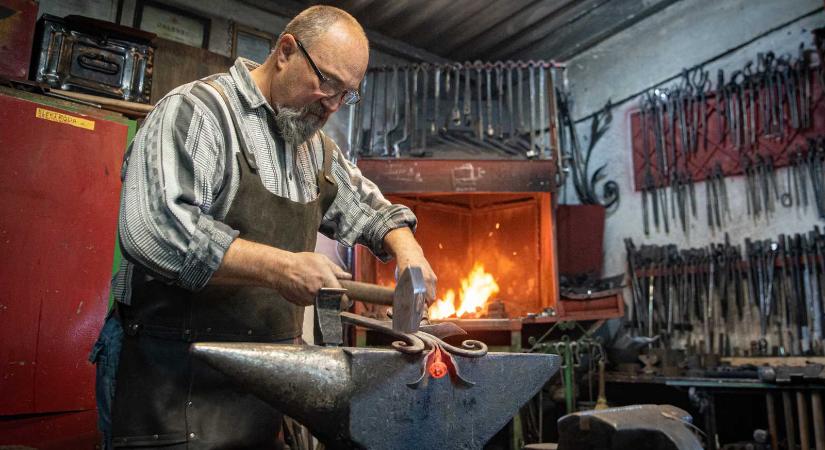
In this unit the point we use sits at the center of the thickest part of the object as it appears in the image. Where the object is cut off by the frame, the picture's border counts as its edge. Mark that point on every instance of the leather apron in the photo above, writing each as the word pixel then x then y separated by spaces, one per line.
pixel 166 399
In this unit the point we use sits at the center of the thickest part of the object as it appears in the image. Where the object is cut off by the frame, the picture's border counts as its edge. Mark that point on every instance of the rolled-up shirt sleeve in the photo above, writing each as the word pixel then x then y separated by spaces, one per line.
pixel 170 175
pixel 360 213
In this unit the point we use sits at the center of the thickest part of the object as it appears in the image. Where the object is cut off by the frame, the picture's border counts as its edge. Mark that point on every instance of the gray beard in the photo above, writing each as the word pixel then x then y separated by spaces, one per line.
pixel 297 125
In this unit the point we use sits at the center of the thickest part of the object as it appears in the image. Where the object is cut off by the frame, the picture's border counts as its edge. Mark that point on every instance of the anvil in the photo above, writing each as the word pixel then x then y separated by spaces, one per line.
pixel 360 398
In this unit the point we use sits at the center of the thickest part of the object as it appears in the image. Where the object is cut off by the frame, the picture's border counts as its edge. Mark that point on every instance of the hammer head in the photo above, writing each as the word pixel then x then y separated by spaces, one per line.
pixel 328 330
pixel 409 301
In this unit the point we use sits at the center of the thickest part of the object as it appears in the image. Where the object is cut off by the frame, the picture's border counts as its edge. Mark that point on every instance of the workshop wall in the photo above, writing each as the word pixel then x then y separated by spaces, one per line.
pixel 686 34
pixel 224 14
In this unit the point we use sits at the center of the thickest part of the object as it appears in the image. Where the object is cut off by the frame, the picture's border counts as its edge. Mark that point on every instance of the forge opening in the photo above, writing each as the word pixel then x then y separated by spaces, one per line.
pixel 497 245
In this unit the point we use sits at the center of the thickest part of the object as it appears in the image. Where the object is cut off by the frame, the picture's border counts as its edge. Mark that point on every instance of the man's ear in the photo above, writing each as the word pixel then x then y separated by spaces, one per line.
pixel 285 49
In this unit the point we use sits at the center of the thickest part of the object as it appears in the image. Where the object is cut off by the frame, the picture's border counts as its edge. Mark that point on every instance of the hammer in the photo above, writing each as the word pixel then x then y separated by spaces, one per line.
pixel 407 301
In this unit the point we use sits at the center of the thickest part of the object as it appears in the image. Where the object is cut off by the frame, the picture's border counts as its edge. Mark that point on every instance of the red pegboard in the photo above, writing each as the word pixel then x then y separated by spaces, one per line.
pixel 698 164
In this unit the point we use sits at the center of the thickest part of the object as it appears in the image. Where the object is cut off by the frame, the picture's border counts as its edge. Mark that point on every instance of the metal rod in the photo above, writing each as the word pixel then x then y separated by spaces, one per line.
pixel 802 412
pixel 787 404
pixel 818 419
pixel 773 428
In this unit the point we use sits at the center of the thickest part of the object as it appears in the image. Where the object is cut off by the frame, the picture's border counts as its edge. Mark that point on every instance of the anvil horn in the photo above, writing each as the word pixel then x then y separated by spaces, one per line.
pixel 358 397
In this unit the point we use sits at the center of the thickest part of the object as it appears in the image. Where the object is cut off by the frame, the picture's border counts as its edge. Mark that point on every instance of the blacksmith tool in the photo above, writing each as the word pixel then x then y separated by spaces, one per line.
pixel 818 419
pixel 773 424
pixel 373 123
pixel 802 413
pixel 455 114
pixel 425 111
pixel 488 72
pixel 396 145
pixel 721 102
pixel 357 397
pixel 787 408
pixel 407 300
pixel 648 185
pixel 479 103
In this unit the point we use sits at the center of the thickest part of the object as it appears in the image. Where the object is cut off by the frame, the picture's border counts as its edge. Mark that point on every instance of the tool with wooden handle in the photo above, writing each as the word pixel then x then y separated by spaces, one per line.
pixel 368 292
pixel 407 301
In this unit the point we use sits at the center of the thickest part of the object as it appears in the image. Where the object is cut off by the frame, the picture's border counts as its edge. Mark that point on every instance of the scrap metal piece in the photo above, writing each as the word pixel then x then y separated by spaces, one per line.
pixel 356 397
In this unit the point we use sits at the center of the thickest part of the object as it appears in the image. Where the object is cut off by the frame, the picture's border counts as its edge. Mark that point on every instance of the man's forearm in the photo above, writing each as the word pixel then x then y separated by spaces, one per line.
pixel 296 276
pixel 401 244
pixel 249 263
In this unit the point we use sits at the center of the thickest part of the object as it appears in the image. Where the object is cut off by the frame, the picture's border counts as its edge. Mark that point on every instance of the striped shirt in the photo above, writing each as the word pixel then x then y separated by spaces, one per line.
pixel 180 179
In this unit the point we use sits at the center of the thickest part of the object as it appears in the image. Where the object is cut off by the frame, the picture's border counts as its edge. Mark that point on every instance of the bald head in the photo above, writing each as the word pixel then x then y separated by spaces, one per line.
pixel 310 24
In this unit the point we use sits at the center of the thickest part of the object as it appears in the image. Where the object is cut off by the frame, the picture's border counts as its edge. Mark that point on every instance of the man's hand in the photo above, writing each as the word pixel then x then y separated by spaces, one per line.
pixel 305 274
pixel 296 276
pixel 401 243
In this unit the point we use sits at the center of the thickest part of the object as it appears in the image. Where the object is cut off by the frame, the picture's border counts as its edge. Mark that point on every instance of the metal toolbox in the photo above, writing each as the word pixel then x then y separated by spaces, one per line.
pixel 86 55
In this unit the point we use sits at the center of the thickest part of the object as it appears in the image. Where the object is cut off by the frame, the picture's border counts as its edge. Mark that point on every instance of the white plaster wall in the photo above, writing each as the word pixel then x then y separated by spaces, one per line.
pixel 684 34
pixel 688 33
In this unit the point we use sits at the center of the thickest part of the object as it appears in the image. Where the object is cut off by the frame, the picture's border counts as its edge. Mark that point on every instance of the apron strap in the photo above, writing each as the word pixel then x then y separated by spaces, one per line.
pixel 250 159
pixel 327 146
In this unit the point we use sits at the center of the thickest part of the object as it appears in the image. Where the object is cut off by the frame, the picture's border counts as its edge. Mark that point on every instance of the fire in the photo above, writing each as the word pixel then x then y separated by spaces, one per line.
pixel 476 290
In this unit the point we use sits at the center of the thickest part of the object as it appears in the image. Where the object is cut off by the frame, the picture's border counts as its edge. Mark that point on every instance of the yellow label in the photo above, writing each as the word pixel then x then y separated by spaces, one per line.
pixel 55 116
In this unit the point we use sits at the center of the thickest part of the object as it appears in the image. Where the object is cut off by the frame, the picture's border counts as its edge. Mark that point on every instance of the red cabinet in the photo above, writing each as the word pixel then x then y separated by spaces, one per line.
pixel 59 194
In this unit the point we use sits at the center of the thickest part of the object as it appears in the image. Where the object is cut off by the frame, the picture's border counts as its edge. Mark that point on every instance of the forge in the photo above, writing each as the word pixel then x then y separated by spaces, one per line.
pixel 360 398
pixel 496 214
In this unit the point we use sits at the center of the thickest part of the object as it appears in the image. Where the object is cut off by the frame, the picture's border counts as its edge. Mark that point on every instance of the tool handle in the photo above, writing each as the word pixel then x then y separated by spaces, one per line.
pixel 367 292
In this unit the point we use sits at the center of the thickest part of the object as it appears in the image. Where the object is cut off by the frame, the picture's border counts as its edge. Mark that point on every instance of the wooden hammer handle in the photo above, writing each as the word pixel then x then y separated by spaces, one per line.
pixel 369 293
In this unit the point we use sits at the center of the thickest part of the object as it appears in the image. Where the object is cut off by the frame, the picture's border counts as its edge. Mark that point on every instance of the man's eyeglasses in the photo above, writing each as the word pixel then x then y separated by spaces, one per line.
pixel 349 96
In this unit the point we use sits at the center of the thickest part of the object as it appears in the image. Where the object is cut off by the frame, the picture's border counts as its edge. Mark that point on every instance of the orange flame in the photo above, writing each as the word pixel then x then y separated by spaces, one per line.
pixel 476 291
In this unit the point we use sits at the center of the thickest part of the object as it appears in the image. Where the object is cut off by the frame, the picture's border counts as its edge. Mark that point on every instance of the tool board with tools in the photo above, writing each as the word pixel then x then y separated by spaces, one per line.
pixel 754 298
pixel 502 109
pixel 753 121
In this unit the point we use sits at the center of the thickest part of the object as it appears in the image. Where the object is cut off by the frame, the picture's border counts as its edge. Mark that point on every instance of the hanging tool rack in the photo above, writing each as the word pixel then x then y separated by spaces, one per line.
pixel 750 123
pixel 763 298
pixel 482 109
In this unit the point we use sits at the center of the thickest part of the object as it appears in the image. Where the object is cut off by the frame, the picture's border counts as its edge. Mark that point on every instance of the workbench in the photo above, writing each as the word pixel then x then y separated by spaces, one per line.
pixel 705 395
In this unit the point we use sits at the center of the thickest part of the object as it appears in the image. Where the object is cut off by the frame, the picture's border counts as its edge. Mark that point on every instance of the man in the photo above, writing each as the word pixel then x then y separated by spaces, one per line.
pixel 224 189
